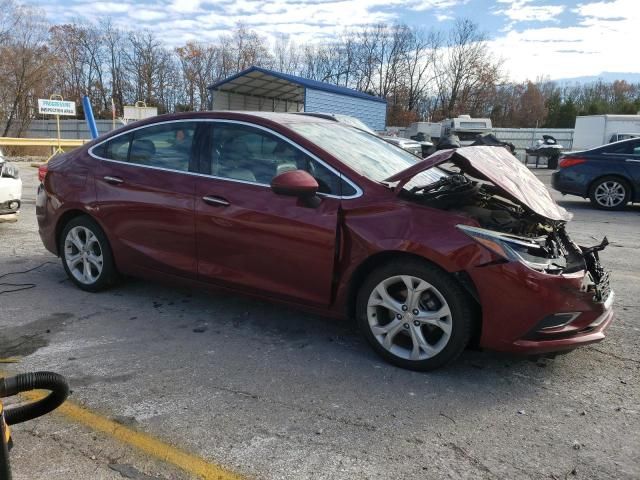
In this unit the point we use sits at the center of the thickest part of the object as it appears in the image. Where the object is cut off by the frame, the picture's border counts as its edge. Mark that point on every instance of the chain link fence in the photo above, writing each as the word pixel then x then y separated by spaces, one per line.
pixel 76 129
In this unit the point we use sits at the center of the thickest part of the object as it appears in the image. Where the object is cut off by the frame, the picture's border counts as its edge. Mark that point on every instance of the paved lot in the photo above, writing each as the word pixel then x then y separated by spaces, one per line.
pixel 273 393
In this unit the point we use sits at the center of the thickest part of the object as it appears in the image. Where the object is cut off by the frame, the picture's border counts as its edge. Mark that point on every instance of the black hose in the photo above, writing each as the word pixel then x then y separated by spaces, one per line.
pixel 57 384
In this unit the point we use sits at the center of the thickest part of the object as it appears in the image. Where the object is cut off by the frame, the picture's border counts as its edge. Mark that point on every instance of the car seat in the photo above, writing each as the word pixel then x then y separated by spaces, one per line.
pixel 285 158
pixel 142 152
pixel 233 159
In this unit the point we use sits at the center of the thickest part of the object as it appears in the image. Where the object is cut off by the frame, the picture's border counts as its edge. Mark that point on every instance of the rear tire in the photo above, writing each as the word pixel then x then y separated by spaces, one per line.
pixel 415 315
pixel 610 193
pixel 86 255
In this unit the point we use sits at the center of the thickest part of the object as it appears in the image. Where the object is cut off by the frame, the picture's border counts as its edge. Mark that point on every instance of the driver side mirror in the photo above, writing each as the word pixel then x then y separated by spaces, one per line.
pixel 295 183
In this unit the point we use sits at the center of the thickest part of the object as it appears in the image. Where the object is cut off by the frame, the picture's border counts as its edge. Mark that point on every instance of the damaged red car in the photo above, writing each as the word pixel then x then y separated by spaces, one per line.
pixel 464 247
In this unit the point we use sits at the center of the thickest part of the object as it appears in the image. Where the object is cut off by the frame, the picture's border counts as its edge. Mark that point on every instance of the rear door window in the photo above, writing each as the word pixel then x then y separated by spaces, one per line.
pixel 169 146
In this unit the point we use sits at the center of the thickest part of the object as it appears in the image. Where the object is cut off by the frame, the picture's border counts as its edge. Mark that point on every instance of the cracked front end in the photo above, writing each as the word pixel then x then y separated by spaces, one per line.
pixel 543 292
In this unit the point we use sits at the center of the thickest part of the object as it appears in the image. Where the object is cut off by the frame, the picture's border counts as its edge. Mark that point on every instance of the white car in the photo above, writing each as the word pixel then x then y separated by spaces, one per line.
pixel 10 191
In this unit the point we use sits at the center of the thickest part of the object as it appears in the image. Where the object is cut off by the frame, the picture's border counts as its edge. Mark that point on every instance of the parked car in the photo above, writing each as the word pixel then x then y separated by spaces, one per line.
pixel 609 175
pixel 410 146
pixel 324 216
pixel 10 191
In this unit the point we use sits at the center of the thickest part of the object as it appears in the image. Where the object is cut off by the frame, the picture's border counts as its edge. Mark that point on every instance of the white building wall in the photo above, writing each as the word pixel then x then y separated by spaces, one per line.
pixel 374 114
pixel 234 101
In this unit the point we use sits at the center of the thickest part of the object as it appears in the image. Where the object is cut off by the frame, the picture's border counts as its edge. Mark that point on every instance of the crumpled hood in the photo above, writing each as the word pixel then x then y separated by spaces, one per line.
pixel 501 168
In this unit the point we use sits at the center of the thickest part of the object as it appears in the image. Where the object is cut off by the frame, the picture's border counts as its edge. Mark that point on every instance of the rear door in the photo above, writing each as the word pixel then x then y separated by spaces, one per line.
pixel 145 194
pixel 248 236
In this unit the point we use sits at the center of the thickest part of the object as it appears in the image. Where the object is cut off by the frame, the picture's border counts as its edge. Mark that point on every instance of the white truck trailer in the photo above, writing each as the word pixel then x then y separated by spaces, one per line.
pixel 594 130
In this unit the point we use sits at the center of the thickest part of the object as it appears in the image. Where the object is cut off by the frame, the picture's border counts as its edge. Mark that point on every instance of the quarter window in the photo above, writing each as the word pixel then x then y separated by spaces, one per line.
pixel 626 148
pixel 115 149
pixel 244 153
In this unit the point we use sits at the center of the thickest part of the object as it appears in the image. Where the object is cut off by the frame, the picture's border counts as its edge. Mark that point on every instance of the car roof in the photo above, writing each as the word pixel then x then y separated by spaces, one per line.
pixel 281 118
pixel 619 142
pixel 261 118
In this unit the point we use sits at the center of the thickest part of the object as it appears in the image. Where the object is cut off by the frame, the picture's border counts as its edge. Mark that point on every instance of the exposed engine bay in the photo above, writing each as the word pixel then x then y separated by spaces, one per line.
pixel 483 202
pixel 513 230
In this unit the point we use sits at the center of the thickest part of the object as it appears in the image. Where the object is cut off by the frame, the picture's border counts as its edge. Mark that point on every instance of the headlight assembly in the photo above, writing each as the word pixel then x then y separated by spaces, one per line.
pixel 529 251
pixel 8 170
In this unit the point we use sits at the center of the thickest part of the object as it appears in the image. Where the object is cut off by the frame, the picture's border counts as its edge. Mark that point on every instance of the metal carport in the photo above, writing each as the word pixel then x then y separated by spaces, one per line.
pixel 260 89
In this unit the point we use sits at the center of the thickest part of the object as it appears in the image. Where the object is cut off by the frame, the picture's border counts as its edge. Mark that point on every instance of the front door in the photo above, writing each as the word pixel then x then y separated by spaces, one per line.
pixel 145 197
pixel 246 234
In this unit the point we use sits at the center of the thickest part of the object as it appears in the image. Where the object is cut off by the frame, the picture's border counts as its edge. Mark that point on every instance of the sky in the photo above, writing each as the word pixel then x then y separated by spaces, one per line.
pixel 558 39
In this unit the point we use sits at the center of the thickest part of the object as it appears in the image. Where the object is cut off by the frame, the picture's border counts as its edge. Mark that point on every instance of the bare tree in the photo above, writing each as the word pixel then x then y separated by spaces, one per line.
pixel 114 46
pixel 242 49
pixel 24 66
pixel 465 70
pixel 287 57
pixel 418 63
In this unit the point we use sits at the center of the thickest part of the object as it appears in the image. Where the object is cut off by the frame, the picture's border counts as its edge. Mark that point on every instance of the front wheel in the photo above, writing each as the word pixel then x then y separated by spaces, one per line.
pixel 610 193
pixel 86 255
pixel 415 315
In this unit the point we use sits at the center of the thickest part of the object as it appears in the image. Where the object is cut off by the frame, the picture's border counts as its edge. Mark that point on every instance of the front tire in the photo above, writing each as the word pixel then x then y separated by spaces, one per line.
pixel 415 315
pixel 610 193
pixel 86 255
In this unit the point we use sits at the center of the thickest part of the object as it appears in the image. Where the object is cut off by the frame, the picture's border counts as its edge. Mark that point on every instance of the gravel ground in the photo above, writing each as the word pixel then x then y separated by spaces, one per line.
pixel 274 393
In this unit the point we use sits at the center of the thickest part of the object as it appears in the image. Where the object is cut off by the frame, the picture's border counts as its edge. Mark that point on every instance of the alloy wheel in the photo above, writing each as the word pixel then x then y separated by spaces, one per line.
pixel 610 194
pixel 409 317
pixel 83 255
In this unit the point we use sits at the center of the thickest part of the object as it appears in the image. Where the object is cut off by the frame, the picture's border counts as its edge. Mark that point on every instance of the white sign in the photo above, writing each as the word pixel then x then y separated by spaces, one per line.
pixel 139 113
pixel 56 107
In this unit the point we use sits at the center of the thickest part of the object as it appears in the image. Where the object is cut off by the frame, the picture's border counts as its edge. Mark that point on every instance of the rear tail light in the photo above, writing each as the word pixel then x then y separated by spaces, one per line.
pixel 42 172
pixel 570 162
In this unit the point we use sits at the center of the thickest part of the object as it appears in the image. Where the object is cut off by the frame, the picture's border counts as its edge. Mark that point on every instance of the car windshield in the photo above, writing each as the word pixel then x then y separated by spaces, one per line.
pixel 354 122
pixel 367 154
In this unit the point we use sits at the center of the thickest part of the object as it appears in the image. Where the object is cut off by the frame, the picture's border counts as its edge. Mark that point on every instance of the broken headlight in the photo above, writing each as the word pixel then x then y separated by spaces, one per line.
pixel 532 252
pixel 8 170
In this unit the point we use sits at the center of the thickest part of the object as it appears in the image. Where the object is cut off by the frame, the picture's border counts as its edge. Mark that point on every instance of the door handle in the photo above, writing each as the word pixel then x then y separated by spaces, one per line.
pixel 215 201
pixel 113 180
pixel 632 160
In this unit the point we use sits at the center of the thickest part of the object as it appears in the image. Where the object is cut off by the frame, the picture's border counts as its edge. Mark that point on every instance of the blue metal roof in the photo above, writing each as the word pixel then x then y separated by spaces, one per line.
pixel 303 82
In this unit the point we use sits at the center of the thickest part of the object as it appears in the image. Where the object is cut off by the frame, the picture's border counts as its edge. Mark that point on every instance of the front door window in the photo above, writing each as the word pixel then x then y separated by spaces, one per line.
pixel 249 154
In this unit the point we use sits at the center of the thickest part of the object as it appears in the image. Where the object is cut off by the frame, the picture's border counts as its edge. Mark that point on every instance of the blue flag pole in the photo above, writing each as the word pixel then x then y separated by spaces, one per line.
pixel 88 115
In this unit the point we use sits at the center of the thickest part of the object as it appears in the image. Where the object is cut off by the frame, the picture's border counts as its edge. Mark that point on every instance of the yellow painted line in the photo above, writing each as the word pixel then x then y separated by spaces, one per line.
pixel 10 360
pixel 153 447
pixel 41 142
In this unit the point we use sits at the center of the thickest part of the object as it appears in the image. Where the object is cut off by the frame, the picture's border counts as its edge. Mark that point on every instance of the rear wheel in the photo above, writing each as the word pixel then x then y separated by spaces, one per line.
pixel 415 315
pixel 610 193
pixel 86 255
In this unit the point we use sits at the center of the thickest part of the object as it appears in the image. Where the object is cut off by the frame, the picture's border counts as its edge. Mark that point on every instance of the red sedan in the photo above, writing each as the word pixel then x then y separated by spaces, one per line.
pixel 466 246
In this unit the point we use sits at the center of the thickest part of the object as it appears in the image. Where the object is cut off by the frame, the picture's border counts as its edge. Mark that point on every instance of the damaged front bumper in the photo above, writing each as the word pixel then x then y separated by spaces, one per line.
pixel 544 312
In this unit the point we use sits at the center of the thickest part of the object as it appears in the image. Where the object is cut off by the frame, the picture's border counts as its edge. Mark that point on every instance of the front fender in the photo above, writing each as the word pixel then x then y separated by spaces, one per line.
pixel 381 233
